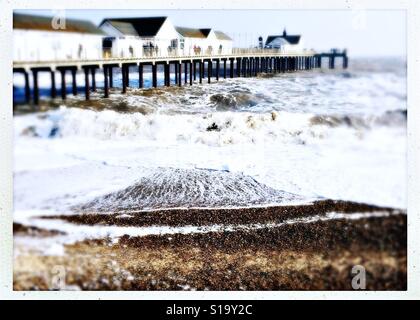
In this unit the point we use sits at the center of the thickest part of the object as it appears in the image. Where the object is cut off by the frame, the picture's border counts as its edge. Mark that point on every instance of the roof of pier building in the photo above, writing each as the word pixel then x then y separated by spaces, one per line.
pixel 222 36
pixel 44 23
pixel 143 27
pixel 200 33
pixel 291 39
pixel 124 28
pixel 190 32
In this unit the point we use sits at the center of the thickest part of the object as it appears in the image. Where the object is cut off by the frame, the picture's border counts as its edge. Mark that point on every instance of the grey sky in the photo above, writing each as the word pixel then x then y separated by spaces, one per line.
pixel 363 33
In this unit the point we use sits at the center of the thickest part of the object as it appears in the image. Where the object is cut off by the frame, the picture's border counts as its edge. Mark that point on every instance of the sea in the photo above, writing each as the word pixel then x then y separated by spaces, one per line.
pixel 269 140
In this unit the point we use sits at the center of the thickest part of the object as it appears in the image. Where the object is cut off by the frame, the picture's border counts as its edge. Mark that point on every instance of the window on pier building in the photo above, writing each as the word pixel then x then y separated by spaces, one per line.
pixel 174 43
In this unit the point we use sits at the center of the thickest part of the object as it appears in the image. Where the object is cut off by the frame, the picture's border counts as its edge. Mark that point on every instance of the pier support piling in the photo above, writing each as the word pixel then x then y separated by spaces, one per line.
pixel 36 89
pixel 166 74
pixel 154 75
pixel 73 81
pixel 231 69
pixel 93 72
pixel 345 62
pixel 63 84
pixel 87 89
pixel 209 70
pixel 217 69
pixel 191 72
pixel 124 78
pixel 200 71
pixel 179 74
pixel 238 67
pixel 53 88
pixel 111 78
pixel 224 68
pixel 106 87
pixel 185 73
pixel 27 87
pixel 140 75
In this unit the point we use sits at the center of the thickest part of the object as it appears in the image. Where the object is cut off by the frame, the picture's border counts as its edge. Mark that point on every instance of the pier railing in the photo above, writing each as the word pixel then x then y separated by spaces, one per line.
pixel 158 55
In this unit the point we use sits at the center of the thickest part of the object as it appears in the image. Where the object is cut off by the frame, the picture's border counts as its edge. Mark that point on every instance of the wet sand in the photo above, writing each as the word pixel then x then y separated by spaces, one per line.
pixel 302 256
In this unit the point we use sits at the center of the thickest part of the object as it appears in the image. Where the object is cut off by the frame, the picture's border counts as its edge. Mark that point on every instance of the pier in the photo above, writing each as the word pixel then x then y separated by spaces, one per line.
pixel 187 69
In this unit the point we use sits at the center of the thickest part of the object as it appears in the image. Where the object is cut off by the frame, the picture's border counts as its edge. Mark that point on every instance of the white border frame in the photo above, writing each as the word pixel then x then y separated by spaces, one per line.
pixel 412 8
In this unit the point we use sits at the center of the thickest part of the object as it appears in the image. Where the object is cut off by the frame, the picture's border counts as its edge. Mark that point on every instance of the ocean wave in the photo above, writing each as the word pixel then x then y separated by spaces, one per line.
pixel 218 128
pixel 186 188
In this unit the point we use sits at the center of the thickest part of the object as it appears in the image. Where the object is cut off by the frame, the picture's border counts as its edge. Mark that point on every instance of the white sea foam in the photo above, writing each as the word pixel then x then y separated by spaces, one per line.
pixel 339 135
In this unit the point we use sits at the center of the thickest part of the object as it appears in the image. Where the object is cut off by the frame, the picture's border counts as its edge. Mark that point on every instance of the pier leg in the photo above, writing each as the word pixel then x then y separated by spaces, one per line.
pixel 87 90
pixel 73 81
pixel 176 73
pixel 127 76
pixel 257 66
pixel 179 74
pixel 217 69
pixel 36 89
pixel 124 80
pixel 232 66
pixel 238 67
pixel 209 70
pixel 251 71
pixel 245 67
pixel 185 73
pixel 224 68
pixel 63 84
pixel 141 75
pixel 191 72
pixel 111 80
pixel 93 72
pixel 166 72
pixel 154 75
pixel 195 70
pixel 345 62
pixel 27 88
pixel 53 88
pixel 106 87
pixel 200 71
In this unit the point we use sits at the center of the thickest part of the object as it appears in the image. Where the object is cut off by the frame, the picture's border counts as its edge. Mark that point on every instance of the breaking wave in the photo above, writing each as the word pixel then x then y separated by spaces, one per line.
pixel 165 188
pixel 218 129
